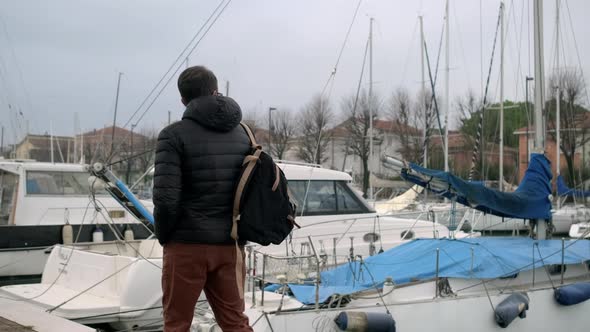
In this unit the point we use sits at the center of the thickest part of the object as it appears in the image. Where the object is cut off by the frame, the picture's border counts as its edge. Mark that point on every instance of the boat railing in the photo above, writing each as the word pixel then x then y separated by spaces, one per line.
pixel 281 271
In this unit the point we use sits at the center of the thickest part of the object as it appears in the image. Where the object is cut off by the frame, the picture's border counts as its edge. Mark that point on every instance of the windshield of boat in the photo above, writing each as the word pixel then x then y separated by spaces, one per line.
pixel 58 183
pixel 325 197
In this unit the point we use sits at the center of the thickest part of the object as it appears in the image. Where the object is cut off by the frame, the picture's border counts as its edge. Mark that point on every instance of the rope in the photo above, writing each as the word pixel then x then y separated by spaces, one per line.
pixel 132 157
pixel 179 65
pixel 375 285
pixel 545 266
pixel 478 137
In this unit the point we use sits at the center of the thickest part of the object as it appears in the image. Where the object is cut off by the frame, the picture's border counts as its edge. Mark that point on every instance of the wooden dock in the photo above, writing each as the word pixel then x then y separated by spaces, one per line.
pixel 18 316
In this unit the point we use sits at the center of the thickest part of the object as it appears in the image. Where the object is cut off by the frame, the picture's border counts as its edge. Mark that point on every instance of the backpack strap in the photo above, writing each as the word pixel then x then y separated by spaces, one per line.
pixel 249 161
pixel 250 136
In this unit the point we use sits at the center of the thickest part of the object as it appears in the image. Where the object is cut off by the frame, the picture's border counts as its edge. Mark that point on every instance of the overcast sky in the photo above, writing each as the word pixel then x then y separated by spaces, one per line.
pixel 62 57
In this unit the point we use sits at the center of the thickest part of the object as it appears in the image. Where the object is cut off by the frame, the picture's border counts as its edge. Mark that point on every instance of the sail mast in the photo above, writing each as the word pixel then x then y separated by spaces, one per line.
pixel 423 92
pixel 370 106
pixel 539 98
pixel 501 177
pixel 557 98
pixel 447 108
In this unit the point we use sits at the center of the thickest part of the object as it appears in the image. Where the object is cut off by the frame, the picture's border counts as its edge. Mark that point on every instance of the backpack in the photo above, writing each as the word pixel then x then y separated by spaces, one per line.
pixel 262 212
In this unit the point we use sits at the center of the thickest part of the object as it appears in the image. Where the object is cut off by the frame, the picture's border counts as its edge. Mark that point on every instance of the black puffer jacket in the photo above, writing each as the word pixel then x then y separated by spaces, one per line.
pixel 198 161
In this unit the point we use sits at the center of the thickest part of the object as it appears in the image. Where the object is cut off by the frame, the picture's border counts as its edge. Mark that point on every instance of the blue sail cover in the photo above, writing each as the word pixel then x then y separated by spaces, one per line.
pixel 531 200
pixel 563 190
pixel 478 258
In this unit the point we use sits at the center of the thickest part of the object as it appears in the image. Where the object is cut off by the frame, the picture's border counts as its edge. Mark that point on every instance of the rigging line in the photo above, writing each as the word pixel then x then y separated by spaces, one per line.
pixel 346 38
pixel 410 49
pixel 17 65
pixel 519 50
pixel 482 111
pixel 189 53
pixel 180 56
pixel 375 285
pixel 92 286
pixel 433 99
pixel 461 44
pixel 132 157
pixel 180 65
pixel 577 51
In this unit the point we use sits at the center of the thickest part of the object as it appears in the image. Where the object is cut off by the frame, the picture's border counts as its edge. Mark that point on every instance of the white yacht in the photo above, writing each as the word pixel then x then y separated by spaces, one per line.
pixel 37 200
pixel 118 282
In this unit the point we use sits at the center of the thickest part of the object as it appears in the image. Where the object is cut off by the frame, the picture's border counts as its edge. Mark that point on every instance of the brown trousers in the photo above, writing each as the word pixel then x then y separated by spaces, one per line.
pixel 191 268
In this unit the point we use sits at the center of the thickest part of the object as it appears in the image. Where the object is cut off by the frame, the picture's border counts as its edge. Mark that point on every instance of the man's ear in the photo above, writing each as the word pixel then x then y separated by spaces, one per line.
pixel 183 101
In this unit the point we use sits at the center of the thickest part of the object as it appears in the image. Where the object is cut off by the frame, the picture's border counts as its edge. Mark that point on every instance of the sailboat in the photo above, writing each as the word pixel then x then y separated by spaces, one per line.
pixel 486 284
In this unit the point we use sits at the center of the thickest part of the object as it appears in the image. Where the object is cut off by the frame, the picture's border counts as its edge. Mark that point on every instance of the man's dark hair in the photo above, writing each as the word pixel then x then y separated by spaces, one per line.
pixel 196 82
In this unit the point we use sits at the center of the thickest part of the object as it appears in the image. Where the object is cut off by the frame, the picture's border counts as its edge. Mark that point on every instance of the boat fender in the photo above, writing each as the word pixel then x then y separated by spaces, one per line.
pixel 572 294
pixel 67 233
pixel 97 234
pixel 128 234
pixel 513 306
pixel 359 321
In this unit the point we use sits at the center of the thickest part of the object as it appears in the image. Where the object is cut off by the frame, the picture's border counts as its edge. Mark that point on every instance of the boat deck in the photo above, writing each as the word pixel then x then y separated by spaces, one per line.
pixel 22 317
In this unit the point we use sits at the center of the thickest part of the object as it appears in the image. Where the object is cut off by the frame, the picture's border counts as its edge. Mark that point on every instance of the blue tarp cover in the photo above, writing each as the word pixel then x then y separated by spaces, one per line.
pixel 563 190
pixel 531 200
pixel 416 260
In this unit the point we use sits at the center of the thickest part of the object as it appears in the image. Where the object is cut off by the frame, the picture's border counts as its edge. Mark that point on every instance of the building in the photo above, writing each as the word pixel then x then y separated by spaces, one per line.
pixel 46 148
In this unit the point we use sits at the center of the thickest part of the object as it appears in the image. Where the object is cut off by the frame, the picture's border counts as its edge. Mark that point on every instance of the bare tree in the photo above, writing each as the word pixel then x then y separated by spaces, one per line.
pixel 314 120
pixel 146 149
pixel 358 112
pixel 250 117
pixel 284 129
pixel 404 125
pixel 573 133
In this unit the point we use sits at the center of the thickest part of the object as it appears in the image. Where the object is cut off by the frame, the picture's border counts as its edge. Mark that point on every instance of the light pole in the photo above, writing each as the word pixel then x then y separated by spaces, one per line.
pixel 270 109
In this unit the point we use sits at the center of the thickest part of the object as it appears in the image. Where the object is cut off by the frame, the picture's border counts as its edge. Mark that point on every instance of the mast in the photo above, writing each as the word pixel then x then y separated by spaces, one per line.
pixel 557 98
pixel 501 177
pixel 51 139
pixel 370 106
pixel 539 98
pixel 423 92
pixel 447 108
pixel 115 117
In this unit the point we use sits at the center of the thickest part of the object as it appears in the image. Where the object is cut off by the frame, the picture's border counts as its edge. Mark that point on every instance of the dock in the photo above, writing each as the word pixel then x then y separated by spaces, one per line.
pixel 18 316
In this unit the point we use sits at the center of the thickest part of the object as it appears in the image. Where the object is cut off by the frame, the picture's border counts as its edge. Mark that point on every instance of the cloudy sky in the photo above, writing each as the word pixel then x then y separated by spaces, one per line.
pixel 62 57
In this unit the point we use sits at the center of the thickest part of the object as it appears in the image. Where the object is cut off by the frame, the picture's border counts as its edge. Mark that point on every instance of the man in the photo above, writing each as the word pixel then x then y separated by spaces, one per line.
pixel 198 161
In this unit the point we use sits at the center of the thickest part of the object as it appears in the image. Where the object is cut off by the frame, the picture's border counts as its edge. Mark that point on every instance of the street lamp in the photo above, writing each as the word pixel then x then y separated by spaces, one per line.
pixel 270 109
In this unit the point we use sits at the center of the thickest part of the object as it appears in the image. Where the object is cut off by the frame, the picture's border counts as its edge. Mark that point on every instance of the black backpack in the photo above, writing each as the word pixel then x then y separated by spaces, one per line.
pixel 263 212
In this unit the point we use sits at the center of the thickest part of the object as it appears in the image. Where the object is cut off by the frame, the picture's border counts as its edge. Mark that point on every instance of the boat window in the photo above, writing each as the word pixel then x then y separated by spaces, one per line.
pixel 8 185
pixel 325 197
pixel 57 183
pixel 407 235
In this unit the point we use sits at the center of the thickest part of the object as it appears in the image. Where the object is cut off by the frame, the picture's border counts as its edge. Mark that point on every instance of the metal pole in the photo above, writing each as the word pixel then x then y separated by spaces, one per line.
pixel 2 142
pixel 115 116
pixel 169 116
pixel 447 103
pixel 227 88
pixel 270 109
pixel 264 257
pixel 539 97
pixel 562 258
pixel 501 177
pixel 370 163
pixel 423 93
pixel 557 102
pixel 51 139
pixel 436 283
pixel 334 250
pixel 317 278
